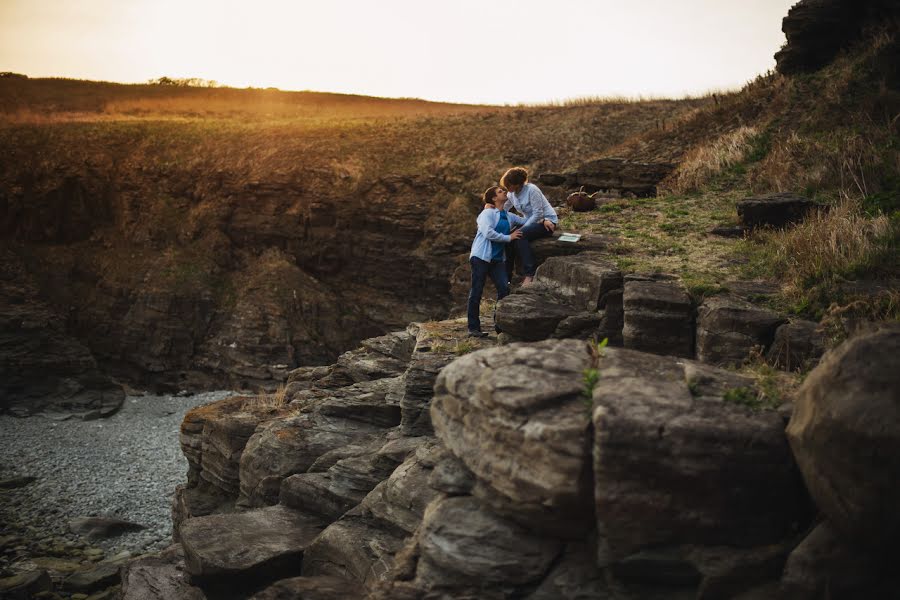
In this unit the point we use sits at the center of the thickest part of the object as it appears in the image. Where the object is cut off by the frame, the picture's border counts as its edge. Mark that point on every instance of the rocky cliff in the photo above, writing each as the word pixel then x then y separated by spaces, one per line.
pixel 186 250
pixel 541 469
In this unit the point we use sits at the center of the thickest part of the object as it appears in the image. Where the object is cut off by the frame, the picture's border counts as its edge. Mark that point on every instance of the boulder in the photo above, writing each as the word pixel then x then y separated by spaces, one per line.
pixel 372 402
pixel 361 545
pixel 100 577
pixel 291 445
pixel 254 546
pixel 433 350
pixel 312 588
pixel 353 548
pixel 774 210
pixel 729 328
pixel 99 528
pixel 531 315
pixel 817 29
pixel 418 386
pixel 213 437
pixel 575 576
pixel 675 464
pixel 582 282
pixel 516 417
pixel 25 585
pixel 619 174
pixel 563 301
pixel 159 577
pixel 199 501
pixel 400 500
pixel 797 346
pixel 336 491
pixel 376 358
pixel 824 566
pixel 551 179
pixel 658 316
pixel 548 247
pixel 464 545
pixel 845 434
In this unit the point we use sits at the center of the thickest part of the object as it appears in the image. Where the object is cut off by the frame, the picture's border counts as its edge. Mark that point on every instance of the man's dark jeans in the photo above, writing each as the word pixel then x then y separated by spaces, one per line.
pixel 521 249
pixel 481 270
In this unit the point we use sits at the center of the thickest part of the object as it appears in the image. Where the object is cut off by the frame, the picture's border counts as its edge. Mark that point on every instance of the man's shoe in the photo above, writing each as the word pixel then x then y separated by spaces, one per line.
pixel 477 334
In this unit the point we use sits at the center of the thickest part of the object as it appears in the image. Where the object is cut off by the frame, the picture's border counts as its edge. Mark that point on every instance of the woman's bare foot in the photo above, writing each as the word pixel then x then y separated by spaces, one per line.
pixel 527 281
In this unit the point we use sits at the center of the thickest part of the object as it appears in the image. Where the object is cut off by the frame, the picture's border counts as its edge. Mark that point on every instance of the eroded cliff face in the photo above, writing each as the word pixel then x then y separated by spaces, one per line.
pixel 179 279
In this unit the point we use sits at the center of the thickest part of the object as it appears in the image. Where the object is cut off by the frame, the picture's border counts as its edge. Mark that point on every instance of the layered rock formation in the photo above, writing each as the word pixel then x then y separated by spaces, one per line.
pixel 180 282
pixel 43 369
pixel 817 29
pixel 618 175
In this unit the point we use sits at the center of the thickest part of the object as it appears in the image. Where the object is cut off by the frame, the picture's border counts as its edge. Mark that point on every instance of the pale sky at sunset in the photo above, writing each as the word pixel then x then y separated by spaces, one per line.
pixel 491 51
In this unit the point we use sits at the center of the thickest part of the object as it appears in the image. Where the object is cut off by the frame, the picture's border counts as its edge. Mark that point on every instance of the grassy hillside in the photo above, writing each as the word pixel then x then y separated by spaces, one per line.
pixel 832 136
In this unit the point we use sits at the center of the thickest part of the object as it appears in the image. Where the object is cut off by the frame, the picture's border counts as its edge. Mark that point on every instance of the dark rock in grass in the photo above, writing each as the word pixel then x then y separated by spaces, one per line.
pixel 551 179
pixel 729 328
pixel 797 346
pixel 845 434
pixel 312 588
pixel 658 316
pixel 728 231
pixel 622 175
pixel 98 528
pixel 774 210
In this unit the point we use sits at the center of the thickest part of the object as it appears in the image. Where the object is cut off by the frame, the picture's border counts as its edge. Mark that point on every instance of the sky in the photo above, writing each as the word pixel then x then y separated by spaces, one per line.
pixel 474 51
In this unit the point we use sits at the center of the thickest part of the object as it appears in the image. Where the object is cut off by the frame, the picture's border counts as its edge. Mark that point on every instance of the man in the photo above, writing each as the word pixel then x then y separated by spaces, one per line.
pixel 488 253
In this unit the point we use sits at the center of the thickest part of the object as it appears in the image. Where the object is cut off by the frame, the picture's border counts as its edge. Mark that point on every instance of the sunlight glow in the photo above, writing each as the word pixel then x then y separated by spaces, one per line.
pixel 490 51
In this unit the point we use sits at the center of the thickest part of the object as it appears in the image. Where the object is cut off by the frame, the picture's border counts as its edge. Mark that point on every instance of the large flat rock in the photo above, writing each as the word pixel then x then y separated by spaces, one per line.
pixel 259 544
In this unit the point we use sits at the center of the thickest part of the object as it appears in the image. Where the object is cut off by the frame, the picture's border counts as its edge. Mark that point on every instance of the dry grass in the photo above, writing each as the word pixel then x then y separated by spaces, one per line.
pixel 267 401
pixel 705 161
pixel 829 245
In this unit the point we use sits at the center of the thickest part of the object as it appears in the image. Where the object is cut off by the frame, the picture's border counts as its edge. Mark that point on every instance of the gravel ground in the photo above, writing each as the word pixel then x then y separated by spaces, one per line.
pixel 125 466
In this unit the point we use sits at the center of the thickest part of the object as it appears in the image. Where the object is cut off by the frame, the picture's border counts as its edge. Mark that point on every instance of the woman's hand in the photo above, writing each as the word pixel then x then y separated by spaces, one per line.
pixel 549 225
pixel 487 206
pixel 515 235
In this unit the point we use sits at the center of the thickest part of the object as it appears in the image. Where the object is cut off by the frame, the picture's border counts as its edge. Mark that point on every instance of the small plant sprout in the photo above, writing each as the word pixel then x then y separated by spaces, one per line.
pixel 591 375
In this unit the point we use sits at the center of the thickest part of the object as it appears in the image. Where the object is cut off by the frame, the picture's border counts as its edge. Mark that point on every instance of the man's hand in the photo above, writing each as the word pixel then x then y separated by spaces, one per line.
pixel 515 235
pixel 487 206
pixel 549 225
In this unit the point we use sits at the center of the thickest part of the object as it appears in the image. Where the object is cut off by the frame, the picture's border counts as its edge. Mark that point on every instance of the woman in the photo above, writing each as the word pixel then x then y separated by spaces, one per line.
pixel 488 253
pixel 540 219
